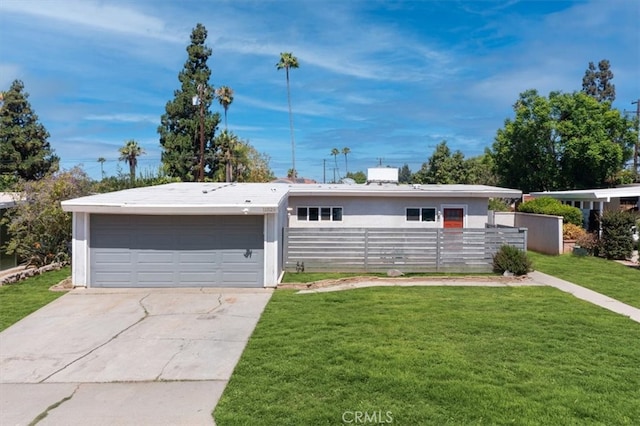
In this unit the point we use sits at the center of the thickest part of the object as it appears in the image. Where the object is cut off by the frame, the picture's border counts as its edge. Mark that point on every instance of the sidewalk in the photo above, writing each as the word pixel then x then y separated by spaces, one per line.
pixel 588 295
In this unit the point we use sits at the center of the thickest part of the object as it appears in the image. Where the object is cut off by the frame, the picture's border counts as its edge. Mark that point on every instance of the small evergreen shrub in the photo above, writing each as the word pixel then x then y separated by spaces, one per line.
pixel 511 259
pixel 551 206
pixel 572 232
pixel 617 240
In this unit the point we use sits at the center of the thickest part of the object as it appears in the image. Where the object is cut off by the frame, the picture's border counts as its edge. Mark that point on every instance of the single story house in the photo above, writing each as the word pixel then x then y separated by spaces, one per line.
pixel 231 234
pixel 596 201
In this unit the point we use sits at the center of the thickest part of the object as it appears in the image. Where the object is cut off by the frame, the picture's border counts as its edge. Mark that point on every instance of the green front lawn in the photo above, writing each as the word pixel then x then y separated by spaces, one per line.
pixel 436 355
pixel 604 276
pixel 20 299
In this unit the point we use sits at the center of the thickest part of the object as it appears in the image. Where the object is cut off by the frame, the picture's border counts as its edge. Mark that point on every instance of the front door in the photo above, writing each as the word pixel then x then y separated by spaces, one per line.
pixel 453 217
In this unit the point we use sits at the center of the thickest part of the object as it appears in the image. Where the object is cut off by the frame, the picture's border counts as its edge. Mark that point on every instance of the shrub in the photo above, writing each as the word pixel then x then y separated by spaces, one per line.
pixel 616 242
pixel 589 242
pixel 511 259
pixel 499 205
pixel 39 229
pixel 572 232
pixel 551 206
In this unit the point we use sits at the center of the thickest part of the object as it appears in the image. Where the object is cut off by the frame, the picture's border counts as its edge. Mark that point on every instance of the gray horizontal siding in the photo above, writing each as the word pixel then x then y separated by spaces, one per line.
pixel 409 250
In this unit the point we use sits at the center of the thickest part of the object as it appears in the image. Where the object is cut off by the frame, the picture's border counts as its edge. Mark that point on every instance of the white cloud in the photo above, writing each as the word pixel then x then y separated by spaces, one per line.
pixel 124 118
pixel 97 15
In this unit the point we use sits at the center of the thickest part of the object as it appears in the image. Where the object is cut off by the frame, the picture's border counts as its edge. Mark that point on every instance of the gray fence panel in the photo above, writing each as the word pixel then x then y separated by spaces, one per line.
pixel 409 250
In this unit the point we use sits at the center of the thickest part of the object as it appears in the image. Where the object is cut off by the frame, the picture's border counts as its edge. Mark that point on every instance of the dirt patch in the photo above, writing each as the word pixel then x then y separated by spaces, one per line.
pixel 382 280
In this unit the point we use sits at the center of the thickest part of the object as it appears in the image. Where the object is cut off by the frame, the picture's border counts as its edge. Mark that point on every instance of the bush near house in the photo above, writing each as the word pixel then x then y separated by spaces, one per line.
pixel 511 259
pixel 616 241
pixel 551 206
pixel 39 229
pixel 589 241
pixel 572 232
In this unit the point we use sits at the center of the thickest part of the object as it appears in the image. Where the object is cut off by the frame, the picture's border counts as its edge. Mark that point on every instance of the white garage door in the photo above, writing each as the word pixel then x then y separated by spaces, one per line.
pixel 176 251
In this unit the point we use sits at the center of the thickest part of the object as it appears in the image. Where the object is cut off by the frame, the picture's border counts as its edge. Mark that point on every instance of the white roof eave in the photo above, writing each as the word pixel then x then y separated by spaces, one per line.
pixel 248 209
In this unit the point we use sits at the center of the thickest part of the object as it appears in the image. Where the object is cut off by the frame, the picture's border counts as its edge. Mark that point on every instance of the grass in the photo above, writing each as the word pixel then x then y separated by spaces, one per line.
pixel 436 355
pixel 604 276
pixel 20 299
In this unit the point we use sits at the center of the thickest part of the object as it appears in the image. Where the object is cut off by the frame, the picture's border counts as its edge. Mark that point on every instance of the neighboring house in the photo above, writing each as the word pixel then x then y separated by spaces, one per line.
pixel 7 261
pixel 595 201
pixel 232 234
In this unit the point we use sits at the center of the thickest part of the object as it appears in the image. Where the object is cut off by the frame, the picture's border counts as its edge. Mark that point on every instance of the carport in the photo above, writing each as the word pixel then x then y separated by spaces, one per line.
pixel 179 235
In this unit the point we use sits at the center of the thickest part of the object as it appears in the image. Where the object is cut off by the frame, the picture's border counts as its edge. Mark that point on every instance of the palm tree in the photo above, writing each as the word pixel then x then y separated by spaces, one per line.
pixel 101 160
pixel 129 153
pixel 225 97
pixel 335 153
pixel 228 144
pixel 346 151
pixel 288 61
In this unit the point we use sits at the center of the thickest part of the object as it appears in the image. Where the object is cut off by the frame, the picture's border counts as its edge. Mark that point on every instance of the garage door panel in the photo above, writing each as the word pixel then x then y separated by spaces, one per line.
pixel 113 257
pixel 175 251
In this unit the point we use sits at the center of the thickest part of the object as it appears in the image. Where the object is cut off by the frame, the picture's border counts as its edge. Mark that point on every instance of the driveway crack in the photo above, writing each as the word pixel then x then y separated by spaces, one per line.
pixel 169 361
pixel 53 406
pixel 112 338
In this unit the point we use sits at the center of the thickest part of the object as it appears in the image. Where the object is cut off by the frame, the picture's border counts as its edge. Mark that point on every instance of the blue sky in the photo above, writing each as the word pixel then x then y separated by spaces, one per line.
pixel 388 79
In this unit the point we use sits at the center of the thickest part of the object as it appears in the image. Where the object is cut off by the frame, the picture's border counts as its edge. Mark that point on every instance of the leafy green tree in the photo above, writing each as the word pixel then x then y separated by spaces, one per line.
pixel 358 177
pixel 287 62
pixel 40 231
pixel 404 174
pixel 442 167
pixel 565 141
pixel 480 170
pixel 25 152
pixel 179 128
pixel 254 166
pixel 129 153
pixel 597 84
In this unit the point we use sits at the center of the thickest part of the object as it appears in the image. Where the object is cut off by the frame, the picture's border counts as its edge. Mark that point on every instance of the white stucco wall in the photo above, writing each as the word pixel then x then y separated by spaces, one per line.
pixel 386 212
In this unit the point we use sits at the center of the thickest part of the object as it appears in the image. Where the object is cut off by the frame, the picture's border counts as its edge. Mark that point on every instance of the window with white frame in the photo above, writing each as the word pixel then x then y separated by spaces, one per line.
pixel 319 214
pixel 421 214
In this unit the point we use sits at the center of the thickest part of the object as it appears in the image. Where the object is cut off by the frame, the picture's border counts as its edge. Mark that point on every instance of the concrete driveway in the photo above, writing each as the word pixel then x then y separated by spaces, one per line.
pixel 126 356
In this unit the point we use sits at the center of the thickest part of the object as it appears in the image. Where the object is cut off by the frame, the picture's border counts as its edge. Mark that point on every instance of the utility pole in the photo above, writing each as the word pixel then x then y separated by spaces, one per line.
pixel 201 171
pixel 635 151
pixel 324 170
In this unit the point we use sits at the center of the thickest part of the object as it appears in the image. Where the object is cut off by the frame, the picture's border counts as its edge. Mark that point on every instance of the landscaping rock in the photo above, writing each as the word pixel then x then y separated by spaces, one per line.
pixel 394 273
pixel 27 273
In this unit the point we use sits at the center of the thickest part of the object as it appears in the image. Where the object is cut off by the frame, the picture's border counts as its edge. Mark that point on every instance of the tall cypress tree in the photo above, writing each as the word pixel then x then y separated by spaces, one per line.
pixel 597 83
pixel 24 149
pixel 180 125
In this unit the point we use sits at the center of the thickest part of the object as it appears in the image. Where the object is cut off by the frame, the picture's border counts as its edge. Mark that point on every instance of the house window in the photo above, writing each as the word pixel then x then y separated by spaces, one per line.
pixel 324 214
pixel 415 214
pixel 428 215
pixel 314 213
